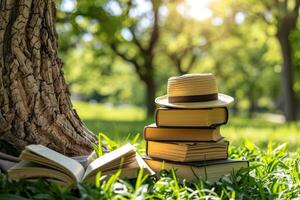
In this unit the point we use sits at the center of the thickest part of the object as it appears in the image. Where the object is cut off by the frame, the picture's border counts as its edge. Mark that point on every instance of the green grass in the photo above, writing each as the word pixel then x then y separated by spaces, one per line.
pixel 117 123
pixel 272 150
pixel 273 174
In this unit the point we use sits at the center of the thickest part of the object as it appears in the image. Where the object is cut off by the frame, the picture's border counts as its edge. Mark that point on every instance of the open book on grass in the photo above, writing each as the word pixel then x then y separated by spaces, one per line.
pixel 40 161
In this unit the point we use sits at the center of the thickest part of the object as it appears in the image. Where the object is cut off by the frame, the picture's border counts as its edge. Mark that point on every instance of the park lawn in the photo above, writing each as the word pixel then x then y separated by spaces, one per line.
pixel 270 148
pixel 122 122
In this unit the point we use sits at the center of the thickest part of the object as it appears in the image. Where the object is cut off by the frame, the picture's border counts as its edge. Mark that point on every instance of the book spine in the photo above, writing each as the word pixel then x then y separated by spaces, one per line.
pixel 147 148
pixel 227 149
pixel 212 126
pixel 145 133
pixel 156 117
pixel 225 121
pixel 227 115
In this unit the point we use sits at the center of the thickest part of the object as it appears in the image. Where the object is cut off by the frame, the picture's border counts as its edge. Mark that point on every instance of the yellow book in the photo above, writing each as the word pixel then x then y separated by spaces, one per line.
pixel 188 151
pixel 152 132
pixel 205 117
pixel 193 171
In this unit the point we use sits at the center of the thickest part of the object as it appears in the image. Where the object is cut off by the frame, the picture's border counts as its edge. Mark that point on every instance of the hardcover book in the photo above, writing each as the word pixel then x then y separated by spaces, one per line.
pixel 204 117
pixel 193 171
pixel 152 132
pixel 40 161
pixel 188 151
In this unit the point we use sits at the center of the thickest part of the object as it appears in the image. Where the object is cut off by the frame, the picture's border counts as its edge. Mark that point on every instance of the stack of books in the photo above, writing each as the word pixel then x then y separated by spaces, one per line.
pixel 189 141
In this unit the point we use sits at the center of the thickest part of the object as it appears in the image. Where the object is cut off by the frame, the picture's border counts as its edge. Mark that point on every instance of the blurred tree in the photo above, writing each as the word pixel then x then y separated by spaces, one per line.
pixel 238 42
pixel 98 75
pixel 181 45
pixel 35 106
pixel 130 34
pixel 295 38
pixel 243 57
pixel 269 15
pixel 283 15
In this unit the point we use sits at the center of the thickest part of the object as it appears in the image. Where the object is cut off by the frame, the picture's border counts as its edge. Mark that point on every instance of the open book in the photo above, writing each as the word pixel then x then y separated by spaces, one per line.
pixel 40 161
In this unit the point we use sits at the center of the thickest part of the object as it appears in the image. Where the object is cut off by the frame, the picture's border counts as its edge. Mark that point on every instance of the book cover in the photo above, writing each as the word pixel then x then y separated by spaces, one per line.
pixel 154 133
pixel 188 151
pixel 194 171
pixel 204 117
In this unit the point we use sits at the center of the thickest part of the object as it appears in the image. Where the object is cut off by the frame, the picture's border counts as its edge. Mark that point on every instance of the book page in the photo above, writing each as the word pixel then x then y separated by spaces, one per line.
pixel 129 171
pixel 109 158
pixel 144 165
pixel 31 170
pixel 72 167
pixel 91 158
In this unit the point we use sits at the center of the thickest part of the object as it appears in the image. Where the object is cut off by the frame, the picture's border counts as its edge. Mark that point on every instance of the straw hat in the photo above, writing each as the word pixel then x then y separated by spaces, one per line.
pixel 193 91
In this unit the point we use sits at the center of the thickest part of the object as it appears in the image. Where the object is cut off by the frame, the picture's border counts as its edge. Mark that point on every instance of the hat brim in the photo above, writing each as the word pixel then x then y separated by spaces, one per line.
pixel 222 101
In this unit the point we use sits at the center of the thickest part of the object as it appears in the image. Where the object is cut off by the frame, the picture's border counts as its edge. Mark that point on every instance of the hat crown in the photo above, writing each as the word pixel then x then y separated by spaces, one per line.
pixel 192 85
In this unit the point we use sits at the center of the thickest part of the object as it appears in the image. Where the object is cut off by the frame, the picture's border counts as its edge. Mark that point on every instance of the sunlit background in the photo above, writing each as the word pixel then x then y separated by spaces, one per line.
pixel 195 9
pixel 119 55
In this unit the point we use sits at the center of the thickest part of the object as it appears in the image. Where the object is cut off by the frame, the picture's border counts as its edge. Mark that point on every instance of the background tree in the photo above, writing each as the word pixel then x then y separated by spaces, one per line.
pixel 127 36
pixel 34 99
pixel 295 38
pixel 237 37
pixel 283 15
pixel 269 18
pixel 183 47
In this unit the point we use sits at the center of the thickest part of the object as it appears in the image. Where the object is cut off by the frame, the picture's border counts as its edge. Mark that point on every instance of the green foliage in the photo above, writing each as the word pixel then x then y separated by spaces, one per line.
pixel 238 39
pixel 273 174
pixel 98 147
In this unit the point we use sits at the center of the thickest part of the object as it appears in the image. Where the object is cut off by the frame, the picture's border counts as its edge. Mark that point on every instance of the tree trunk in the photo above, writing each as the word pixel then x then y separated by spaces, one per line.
pixel 150 95
pixel 289 103
pixel 150 85
pixel 35 106
pixel 252 107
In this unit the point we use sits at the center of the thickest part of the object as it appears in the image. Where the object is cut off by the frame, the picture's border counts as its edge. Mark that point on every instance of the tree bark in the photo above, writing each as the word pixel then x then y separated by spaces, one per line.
pixel 35 106
pixel 150 90
pixel 290 110
pixel 252 107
